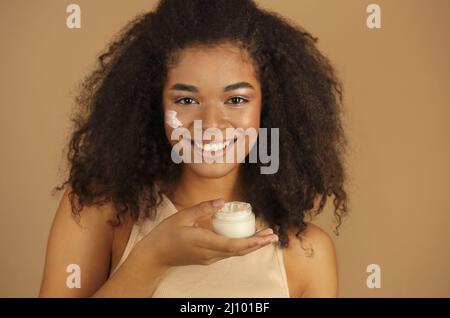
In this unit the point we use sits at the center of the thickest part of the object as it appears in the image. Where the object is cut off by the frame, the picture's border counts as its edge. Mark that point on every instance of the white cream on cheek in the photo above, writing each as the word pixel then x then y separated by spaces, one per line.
pixel 172 120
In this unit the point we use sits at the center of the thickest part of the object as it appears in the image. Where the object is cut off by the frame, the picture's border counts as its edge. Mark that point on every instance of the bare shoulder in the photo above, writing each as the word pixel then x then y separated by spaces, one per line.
pixel 85 241
pixel 310 263
pixel 95 215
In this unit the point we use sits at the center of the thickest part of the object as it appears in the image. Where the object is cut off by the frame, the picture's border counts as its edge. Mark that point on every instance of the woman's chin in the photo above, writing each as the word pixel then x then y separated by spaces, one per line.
pixel 212 170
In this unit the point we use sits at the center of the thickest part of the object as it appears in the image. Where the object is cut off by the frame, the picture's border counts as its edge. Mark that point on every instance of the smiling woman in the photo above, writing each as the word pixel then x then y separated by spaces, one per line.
pixel 211 100
pixel 147 220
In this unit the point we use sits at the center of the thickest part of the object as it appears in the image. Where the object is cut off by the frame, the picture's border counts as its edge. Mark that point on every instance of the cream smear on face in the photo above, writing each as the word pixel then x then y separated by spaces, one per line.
pixel 172 120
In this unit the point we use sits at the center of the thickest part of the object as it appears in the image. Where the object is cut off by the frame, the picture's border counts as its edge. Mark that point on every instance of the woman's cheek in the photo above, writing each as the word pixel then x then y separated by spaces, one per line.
pixel 172 120
pixel 177 124
pixel 248 118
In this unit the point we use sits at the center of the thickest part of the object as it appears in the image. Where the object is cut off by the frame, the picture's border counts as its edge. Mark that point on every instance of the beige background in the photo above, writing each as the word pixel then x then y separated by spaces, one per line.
pixel 397 116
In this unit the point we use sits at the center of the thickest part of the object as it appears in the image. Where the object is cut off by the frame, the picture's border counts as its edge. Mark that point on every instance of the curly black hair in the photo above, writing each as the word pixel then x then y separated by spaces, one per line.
pixel 118 148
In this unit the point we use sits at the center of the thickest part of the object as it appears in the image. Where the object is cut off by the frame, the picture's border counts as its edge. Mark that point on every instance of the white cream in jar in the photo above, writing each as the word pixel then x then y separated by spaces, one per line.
pixel 234 220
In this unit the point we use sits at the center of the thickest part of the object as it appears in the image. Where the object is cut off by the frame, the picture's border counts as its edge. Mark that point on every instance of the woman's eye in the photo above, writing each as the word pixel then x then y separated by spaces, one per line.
pixel 237 100
pixel 185 101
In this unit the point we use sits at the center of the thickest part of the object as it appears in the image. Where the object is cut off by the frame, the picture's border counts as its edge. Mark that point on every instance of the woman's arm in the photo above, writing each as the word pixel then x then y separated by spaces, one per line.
pixel 137 277
pixel 311 264
pixel 88 245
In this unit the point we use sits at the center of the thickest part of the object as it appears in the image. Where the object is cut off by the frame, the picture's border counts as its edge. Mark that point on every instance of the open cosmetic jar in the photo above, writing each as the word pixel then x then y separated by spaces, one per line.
pixel 234 220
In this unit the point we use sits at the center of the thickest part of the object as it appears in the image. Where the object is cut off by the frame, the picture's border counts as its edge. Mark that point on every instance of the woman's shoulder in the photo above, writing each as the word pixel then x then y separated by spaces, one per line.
pixel 94 215
pixel 311 263
pixel 81 241
pixel 313 239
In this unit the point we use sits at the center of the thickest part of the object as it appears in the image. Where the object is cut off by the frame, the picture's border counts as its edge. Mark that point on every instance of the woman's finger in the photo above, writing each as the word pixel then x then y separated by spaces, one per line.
pixel 210 240
pixel 267 239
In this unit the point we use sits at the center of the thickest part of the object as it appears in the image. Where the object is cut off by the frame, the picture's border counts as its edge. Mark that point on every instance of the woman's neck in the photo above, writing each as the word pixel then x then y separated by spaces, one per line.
pixel 192 189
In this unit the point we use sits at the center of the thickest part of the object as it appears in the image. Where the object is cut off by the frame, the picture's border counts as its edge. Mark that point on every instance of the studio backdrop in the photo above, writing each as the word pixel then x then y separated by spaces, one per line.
pixel 395 69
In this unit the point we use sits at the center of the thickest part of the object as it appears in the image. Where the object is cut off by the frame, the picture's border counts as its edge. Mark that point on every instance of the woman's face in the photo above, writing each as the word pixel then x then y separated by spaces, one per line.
pixel 216 87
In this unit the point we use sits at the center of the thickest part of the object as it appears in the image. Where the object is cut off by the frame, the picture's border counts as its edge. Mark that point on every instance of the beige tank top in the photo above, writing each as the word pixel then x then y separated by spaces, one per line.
pixel 260 273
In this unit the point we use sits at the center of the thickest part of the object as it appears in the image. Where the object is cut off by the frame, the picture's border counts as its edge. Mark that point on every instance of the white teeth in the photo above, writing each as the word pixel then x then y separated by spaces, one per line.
pixel 213 146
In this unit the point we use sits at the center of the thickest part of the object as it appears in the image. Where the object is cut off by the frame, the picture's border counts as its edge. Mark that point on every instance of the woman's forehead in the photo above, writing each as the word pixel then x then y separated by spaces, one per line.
pixel 212 66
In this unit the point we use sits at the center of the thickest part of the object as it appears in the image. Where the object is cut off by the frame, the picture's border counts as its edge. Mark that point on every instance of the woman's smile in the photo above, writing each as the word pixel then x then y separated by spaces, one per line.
pixel 211 149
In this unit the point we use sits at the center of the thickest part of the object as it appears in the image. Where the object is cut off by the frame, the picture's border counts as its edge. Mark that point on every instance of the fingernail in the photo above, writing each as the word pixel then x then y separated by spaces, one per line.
pixel 218 203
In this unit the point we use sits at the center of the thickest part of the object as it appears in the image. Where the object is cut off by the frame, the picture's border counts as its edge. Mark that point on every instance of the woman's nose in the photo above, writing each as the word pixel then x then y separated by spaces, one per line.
pixel 213 117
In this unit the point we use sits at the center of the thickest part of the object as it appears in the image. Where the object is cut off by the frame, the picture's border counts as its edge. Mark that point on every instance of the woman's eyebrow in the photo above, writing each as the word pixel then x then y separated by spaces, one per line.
pixel 184 87
pixel 194 89
pixel 239 85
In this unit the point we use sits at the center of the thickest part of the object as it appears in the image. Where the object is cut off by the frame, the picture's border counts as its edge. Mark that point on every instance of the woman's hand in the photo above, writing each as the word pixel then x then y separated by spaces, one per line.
pixel 178 240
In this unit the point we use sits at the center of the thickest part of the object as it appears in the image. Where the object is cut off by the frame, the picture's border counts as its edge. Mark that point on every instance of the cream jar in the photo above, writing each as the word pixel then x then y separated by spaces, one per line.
pixel 234 220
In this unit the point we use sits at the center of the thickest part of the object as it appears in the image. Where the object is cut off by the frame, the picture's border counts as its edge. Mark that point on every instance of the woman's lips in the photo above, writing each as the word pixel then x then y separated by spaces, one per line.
pixel 212 149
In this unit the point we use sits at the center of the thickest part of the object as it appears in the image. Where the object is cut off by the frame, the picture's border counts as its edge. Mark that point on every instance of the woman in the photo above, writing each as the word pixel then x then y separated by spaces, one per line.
pixel 136 223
